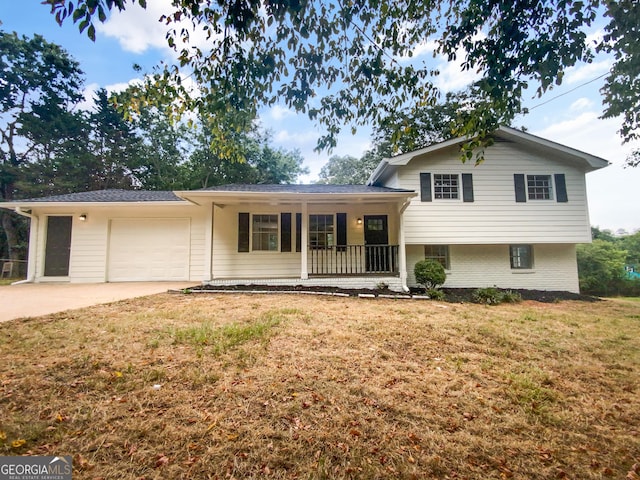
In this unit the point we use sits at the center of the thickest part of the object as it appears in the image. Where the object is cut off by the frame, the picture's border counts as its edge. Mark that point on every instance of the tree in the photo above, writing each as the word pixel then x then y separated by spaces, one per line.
pixel 164 146
pixel 600 267
pixel 36 78
pixel 347 170
pixel 631 243
pixel 116 148
pixel 259 161
pixel 356 56
pixel 633 160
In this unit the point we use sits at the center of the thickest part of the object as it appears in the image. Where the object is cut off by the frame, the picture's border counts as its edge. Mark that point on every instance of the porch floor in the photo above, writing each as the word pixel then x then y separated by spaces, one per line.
pixel 355 282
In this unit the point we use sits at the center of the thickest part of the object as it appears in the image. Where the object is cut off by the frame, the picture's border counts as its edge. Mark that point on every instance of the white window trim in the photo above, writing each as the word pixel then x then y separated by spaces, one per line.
pixel 262 252
pixel 459 187
pixel 552 189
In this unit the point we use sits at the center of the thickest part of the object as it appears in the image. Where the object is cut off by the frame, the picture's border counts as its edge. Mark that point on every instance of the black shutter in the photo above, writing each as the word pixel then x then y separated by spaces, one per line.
pixel 561 188
pixel 467 187
pixel 285 232
pixel 298 232
pixel 341 231
pixel 520 186
pixel 243 232
pixel 425 187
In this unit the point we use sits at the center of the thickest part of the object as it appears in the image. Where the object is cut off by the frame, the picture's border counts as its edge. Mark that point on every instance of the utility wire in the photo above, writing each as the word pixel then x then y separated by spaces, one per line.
pixel 568 91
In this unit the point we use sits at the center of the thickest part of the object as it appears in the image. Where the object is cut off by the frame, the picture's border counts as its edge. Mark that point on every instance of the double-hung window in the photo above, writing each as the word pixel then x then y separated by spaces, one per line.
pixel 446 186
pixel 439 253
pixel 521 257
pixel 321 231
pixel 539 187
pixel 264 234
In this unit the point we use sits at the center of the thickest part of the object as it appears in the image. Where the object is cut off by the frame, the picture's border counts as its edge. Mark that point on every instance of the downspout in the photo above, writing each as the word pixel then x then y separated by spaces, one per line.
pixel 31 255
pixel 403 248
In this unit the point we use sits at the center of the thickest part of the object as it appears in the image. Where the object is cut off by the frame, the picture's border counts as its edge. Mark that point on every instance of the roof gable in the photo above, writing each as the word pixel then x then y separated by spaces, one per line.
pixel 562 152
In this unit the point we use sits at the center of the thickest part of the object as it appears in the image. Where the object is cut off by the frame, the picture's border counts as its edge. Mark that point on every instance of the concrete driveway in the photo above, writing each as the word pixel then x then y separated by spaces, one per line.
pixel 34 299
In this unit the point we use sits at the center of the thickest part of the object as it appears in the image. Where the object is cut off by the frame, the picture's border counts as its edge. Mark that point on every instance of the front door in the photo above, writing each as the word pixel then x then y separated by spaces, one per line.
pixel 58 247
pixel 376 241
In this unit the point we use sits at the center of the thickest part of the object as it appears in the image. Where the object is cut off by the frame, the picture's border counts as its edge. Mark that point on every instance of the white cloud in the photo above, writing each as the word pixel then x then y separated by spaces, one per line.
pixel 586 72
pixel 295 139
pixel 138 29
pixel 583 103
pixel 452 75
pixel 278 112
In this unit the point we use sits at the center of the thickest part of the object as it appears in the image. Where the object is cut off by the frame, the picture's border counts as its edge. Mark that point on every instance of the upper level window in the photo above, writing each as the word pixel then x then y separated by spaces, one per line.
pixel 265 233
pixel 321 231
pixel 539 187
pixel 521 256
pixel 439 253
pixel 445 186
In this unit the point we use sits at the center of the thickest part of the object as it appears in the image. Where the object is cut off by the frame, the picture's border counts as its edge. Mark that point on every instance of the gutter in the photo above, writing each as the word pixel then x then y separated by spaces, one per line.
pixel 33 228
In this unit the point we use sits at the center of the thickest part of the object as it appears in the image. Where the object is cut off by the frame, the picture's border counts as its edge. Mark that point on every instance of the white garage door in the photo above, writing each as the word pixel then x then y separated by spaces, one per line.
pixel 152 249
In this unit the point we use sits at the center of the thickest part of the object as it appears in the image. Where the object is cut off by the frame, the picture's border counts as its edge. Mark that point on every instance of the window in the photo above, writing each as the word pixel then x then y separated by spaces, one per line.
pixel 265 233
pixel 521 256
pixel 439 253
pixel 539 187
pixel 445 186
pixel 321 231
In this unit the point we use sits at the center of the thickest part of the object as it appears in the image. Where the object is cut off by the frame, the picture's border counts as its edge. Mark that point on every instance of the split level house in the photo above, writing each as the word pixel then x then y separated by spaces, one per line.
pixel 512 222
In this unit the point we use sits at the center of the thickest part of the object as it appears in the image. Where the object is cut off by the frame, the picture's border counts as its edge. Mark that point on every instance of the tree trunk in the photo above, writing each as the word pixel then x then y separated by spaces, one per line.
pixel 11 235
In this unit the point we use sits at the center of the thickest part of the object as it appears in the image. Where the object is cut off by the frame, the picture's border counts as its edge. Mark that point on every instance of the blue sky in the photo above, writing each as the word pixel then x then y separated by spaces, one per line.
pixel 569 116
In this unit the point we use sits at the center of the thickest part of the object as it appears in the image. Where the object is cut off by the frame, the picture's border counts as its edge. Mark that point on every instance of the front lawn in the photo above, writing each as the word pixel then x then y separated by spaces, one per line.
pixel 295 386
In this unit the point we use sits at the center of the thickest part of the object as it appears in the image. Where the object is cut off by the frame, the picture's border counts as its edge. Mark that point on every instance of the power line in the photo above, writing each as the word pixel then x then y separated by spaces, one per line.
pixel 568 91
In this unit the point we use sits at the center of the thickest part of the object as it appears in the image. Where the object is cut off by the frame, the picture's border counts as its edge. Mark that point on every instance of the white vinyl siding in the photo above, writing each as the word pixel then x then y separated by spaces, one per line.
pixel 475 266
pixel 90 239
pixel 494 216
pixel 228 263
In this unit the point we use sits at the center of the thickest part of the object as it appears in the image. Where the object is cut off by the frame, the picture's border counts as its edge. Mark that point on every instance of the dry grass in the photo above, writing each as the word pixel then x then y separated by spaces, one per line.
pixel 272 386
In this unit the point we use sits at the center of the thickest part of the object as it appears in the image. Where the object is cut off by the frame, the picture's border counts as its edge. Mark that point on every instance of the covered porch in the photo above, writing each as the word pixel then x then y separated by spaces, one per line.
pixel 321 235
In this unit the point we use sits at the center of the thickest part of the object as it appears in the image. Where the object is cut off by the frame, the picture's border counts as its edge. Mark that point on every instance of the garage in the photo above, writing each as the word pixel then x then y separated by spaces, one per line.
pixel 151 249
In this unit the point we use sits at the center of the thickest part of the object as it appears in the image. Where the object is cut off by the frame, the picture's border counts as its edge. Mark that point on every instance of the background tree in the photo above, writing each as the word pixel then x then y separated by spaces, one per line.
pixel 601 267
pixel 116 148
pixel 36 78
pixel 261 52
pixel 347 170
pixel 399 132
pixel 164 146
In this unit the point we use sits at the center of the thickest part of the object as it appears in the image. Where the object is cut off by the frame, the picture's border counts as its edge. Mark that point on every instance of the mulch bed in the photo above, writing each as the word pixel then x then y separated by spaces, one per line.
pixel 452 295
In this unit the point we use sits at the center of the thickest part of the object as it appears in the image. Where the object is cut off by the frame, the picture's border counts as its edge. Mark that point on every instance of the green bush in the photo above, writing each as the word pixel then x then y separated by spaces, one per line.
pixel 429 273
pixel 435 294
pixel 510 296
pixel 495 296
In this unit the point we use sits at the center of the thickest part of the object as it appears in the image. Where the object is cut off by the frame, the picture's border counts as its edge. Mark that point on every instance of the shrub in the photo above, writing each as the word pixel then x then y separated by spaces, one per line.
pixel 435 294
pixel 429 273
pixel 488 296
pixel 510 296
pixel 495 296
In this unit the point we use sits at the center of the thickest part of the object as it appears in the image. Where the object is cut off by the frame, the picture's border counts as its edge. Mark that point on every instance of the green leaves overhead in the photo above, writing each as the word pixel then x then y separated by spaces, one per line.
pixel 346 63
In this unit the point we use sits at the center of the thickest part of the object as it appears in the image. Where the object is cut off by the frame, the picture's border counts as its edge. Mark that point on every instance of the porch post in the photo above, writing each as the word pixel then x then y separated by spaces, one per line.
pixel 402 250
pixel 208 243
pixel 304 236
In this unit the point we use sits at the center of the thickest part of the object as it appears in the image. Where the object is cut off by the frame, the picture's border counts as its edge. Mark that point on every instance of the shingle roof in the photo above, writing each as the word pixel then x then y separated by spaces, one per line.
pixel 107 196
pixel 306 188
